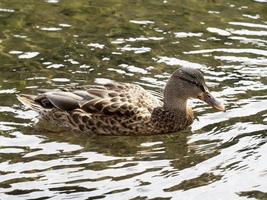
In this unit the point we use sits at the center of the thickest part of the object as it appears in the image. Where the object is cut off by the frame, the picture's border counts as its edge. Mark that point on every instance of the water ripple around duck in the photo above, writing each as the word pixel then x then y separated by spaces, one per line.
pixel 53 44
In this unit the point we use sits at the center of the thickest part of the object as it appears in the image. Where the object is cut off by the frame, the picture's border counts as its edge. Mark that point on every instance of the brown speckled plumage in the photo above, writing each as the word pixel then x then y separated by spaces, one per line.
pixel 113 109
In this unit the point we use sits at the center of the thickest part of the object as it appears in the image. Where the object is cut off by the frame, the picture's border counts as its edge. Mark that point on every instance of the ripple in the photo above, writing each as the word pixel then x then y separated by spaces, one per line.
pixel 152 83
pixel 133 69
pixel 7 10
pixel 245 40
pixel 142 22
pixel 246 60
pixel 119 71
pixel 141 43
pixel 136 50
pixel 261 1
pixel 246 24
pixel 25 55
pixel 103 81
pixel 50 29
pixel 96 45
pixel 176 61
pixel 248 32
pixel 131 39
pixel 74 62
pixel 257 16
pixel 62 80
pixel 10 150
pixel 65 25
pixel 28 55
pixel 218 31
pixel 8 91
pixel 20 36
pixel 16 52
pixel 239 51
pixel 185 35
pixel 249 109
pixel 55 66
pixel 52 1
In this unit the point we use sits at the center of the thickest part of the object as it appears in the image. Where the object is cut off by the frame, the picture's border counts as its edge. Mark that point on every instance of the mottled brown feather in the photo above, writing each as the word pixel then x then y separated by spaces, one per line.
pixel 112 109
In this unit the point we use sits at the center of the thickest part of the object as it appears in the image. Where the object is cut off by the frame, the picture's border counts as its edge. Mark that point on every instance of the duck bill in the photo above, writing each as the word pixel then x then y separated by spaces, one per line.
pixel 212 101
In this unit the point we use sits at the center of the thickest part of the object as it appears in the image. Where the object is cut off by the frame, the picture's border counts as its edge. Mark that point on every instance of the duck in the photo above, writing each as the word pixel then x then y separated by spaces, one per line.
pixel 119 108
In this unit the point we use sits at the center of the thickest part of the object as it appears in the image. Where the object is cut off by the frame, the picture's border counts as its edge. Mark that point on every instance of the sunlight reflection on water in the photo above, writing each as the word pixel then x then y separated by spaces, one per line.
pixel 52 44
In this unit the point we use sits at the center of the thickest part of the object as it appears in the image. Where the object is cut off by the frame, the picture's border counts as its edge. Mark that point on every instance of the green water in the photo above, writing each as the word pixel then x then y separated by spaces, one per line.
pixel 57 43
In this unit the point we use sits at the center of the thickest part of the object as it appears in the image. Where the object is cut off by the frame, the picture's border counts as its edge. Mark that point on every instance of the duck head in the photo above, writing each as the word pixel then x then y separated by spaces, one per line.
pixel 186 83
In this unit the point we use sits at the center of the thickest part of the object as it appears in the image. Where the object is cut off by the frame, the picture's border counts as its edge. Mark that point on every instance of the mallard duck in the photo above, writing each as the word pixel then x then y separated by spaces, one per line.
pixel 124 108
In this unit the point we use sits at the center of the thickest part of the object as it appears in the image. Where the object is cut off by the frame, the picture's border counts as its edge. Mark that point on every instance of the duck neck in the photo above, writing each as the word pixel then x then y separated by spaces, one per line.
pixel 174 98
pixel 175 104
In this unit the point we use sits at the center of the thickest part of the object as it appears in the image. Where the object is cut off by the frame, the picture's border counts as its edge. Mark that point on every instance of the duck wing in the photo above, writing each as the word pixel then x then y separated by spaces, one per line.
pixel 120 98
pixel 114 98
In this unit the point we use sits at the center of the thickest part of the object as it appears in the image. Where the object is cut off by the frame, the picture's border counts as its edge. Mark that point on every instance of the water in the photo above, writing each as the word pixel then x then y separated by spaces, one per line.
pixel 55 43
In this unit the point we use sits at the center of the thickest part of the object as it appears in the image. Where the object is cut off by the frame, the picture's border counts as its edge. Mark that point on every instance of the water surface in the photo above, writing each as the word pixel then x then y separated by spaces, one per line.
pixel 55 43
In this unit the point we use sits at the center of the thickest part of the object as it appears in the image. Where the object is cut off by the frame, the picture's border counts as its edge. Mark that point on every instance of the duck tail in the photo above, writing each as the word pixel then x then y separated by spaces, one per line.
pixel 29 101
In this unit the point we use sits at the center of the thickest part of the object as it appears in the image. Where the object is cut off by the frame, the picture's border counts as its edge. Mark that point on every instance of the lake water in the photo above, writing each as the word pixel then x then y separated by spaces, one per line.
pixel 56 43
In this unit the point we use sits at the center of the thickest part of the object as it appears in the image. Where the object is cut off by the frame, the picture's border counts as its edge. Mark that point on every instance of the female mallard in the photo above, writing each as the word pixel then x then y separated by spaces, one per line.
pixel 124 108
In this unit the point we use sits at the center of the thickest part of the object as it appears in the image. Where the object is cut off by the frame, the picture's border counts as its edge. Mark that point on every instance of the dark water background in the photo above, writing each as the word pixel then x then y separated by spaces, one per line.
pixel 55 43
